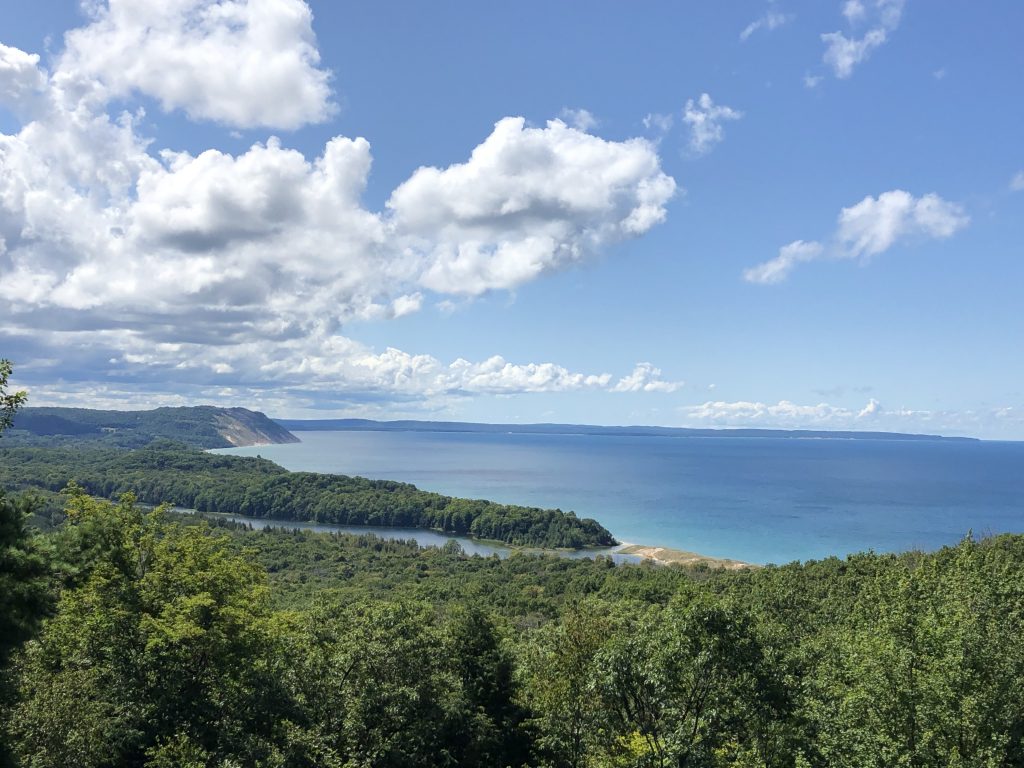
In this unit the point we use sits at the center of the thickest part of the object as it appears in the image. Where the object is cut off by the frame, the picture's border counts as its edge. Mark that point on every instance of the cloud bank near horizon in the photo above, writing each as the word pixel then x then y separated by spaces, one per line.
pixel 872 417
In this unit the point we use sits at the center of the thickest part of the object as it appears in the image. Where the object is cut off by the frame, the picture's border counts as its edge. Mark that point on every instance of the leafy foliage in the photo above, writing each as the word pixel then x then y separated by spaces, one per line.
pixel 159 639
pixel 10 402
pixel 24 574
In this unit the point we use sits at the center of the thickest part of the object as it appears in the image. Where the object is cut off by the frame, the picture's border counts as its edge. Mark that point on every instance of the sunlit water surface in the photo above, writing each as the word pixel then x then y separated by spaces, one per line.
pixel 755 499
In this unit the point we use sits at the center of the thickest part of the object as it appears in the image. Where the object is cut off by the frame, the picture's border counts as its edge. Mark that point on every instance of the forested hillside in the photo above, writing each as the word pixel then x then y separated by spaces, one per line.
pixel 203 426
pixel 169 472
pixel 143 640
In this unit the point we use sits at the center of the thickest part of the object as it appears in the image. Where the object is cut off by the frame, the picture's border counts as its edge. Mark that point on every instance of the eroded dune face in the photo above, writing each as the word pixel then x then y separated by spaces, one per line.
pixel 240 427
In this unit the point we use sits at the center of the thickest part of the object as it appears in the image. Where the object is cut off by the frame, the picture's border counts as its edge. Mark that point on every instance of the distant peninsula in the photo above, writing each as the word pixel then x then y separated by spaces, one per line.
pixel 369 425
pixel 161 455
pixel 203 426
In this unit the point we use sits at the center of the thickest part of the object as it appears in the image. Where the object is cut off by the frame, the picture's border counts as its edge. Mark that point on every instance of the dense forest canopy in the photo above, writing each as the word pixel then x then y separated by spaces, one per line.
pixel 168 642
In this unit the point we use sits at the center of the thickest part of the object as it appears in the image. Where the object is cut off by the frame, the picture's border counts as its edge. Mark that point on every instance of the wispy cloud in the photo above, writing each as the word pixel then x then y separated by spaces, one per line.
pixel 854 11
pixel 705 119
pixel 581 119
pixel 776 270
pixel 843 52
pixel 868 229
pixel 1017 182
pixel 659 123
pixel 812 81
pixel 770 20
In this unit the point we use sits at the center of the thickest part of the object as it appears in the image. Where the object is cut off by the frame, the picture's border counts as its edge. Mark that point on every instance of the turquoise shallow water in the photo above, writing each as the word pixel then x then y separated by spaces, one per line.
pixel 755 499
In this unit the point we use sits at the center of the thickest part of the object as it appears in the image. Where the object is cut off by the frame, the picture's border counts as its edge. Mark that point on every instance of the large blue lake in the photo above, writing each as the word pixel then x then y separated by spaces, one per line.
pixel 756 499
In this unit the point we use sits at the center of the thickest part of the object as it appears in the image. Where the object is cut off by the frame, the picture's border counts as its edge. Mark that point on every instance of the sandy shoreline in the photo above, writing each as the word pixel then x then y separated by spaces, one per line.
pixel 666 556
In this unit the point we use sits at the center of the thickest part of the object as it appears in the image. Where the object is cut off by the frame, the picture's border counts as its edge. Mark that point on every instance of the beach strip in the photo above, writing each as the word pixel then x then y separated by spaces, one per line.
pixel 666 556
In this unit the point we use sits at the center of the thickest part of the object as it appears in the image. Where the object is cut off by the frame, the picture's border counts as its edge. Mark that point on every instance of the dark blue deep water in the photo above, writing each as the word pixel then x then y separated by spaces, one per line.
pixel 755 499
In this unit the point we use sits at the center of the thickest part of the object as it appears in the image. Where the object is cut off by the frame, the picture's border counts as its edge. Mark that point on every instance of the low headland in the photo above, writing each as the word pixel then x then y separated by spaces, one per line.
pixel 202 426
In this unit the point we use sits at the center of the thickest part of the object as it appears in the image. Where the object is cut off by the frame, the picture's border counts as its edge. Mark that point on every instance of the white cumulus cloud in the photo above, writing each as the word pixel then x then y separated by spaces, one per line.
pixel 528 201
pixel 142 264
pixel 873 408
pixel 875 223
pixel 867 229
pixel 495 375
pixel 243 63
pixel 407 305
pixel 645 378
pixel 22 83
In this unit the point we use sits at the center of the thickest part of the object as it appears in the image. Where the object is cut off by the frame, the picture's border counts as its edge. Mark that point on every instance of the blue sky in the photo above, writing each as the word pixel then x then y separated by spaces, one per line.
pixel 778 214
